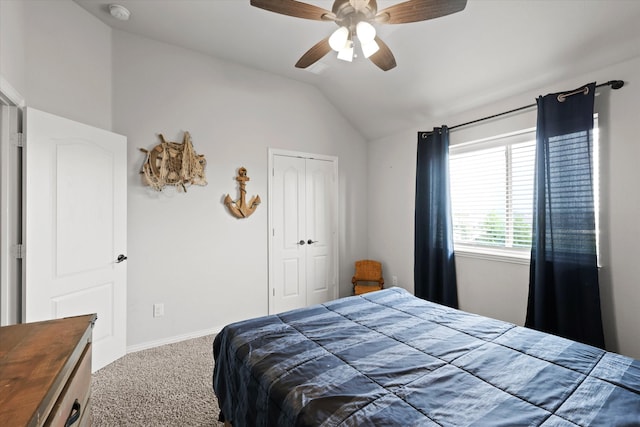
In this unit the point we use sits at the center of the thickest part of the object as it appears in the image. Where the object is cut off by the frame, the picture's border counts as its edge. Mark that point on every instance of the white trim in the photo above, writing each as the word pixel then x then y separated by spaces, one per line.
pixel 9 195
pixel 170 340
pixel 302 155
pixel 9 95
pixel 9 220
pixel 499 255
pixel 522 135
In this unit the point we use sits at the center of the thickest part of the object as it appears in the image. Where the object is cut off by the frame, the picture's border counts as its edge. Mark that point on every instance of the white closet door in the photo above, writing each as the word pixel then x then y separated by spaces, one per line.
pixel 75 225
pixel 288 244
pixel 303 231
pixel 320 231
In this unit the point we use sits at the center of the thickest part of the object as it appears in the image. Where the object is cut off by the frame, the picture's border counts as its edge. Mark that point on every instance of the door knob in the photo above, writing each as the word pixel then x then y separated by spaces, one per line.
pixel 121 258
pixel 301 242
pixel 311 242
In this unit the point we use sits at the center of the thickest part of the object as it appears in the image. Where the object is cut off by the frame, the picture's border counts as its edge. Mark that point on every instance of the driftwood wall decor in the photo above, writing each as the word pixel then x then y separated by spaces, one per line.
pixel 239 208
pixel 173 163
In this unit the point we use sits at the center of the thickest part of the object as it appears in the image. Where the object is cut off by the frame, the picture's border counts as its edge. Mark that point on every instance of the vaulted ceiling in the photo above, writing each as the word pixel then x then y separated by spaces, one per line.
pixel 491 50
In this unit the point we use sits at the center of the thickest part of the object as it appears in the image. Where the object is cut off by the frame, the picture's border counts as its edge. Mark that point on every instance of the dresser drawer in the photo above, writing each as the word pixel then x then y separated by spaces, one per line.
pixel 74 399
pixel 85 418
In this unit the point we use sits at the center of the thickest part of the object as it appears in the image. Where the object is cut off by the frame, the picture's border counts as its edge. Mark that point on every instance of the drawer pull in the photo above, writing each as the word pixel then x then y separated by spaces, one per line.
pixel 74 415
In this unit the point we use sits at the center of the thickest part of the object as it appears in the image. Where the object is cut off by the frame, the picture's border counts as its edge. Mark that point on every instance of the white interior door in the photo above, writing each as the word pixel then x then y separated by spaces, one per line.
pixel 303 231
pixel 75 227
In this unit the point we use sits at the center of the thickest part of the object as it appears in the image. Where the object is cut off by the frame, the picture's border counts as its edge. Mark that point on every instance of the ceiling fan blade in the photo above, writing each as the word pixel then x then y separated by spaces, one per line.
pixel 419 10
pixel 295 8
pixel 311 56
pixel 383 58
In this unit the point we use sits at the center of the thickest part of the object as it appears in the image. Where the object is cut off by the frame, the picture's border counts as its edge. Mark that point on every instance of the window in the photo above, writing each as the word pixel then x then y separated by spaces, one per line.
pixel 492 193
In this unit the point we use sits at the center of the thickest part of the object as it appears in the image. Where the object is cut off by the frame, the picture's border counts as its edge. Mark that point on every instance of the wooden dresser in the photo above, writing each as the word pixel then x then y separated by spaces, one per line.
pixel 45 373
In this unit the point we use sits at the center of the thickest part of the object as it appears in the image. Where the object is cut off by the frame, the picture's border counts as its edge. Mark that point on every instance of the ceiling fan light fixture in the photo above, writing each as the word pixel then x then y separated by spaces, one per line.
pixel 339 39
pixel 346 53
pixel 355 19
pixel 370 48
pixel 366 32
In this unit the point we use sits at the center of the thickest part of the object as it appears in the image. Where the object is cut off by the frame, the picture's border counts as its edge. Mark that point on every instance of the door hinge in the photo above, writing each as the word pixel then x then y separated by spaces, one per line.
pixel 18 251
pixel 274 292
pixel 17 139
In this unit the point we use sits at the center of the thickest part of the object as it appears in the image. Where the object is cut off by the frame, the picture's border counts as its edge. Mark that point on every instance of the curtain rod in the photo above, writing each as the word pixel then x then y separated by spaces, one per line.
pixel 615 84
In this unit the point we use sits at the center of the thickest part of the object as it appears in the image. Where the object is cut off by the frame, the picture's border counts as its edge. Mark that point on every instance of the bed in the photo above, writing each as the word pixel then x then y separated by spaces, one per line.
pixel 387 358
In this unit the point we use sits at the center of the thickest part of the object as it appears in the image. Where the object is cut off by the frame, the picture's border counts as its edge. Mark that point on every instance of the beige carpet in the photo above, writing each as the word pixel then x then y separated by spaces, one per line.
pixel 163 386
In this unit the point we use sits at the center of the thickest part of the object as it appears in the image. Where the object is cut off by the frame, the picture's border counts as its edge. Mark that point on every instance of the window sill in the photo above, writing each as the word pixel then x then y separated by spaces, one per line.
pixel 490 254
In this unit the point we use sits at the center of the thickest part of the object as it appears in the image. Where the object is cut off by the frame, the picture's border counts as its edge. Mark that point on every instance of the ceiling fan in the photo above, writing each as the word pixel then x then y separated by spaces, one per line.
pixel 354 19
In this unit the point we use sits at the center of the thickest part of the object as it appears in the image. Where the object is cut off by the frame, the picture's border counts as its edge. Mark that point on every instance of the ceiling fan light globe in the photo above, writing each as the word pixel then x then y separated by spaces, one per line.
pixel 346 53
pixel 366 32
pixel 339 38
pixel 370 48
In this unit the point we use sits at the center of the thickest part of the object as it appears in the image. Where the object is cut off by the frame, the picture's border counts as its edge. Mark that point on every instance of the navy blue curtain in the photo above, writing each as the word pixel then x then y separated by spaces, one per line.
pixel 564 295
pixel 434 263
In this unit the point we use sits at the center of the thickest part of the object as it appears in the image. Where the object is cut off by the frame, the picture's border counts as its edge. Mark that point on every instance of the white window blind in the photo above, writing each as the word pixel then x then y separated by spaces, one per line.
pixel 492 191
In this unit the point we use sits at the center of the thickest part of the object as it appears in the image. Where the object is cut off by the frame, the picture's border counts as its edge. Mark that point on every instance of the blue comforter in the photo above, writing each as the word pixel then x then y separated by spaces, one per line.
pixel 387 358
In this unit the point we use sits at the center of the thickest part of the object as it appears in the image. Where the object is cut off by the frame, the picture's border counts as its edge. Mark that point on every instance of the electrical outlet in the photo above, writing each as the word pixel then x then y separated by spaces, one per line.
pixel 394 280
pixel 158 310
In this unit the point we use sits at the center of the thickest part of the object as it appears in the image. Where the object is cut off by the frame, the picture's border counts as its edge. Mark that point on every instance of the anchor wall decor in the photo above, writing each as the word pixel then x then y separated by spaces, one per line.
pixel 239 208
pixel 173 163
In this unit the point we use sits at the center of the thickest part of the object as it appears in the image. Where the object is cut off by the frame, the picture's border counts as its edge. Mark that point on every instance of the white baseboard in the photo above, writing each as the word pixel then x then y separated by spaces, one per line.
pixel 174 339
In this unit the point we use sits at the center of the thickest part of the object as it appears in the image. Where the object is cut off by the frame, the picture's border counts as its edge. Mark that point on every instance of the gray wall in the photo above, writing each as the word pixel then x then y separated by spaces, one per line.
pixel 498 288
pixel 12 44
pixel 186 250
pixel 58 57
pixel 210 269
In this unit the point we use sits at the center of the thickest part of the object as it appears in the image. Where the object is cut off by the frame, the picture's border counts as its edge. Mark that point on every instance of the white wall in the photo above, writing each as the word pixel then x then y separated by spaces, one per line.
pixel 391 198
pixel 55 57
pixel 499 289
pixel 207 267
pixel 67 62
pixel 12 44
pixel 58 57
pixel 185 249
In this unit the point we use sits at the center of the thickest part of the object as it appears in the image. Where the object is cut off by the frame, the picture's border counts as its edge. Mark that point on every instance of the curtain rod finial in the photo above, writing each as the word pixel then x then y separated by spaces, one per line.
pixel 616 84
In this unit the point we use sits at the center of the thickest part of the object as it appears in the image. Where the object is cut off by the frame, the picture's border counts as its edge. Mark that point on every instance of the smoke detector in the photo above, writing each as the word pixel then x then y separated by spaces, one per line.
pixel 119 12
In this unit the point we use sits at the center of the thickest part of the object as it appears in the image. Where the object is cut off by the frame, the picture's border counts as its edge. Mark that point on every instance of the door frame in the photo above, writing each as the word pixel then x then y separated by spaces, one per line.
pixel 272 152
pixel 10 298
pixel 9 95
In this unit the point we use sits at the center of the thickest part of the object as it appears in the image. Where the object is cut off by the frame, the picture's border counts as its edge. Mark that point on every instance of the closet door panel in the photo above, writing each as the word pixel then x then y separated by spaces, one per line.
pixel 288 255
